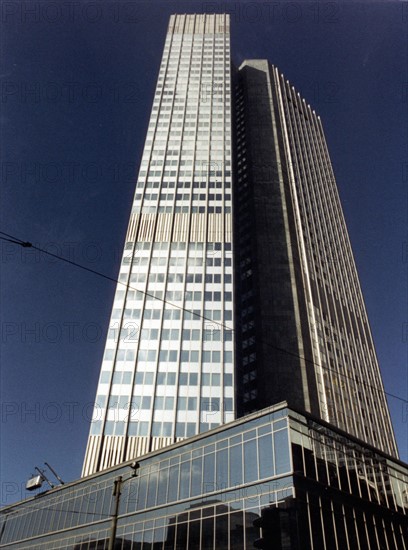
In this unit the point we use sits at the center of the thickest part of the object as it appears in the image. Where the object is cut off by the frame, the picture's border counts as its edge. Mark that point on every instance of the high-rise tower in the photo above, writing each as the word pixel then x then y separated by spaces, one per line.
pixel 302 330
pixel 228 304
pixel 237 292
pixel 168 368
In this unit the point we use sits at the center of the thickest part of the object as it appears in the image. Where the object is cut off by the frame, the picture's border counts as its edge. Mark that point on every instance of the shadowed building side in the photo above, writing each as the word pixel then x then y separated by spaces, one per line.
pixel 273 332
pixel 303 332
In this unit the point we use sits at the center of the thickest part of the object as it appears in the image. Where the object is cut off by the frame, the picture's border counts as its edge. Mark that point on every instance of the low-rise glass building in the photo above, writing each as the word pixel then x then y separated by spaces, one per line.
pixel 205 492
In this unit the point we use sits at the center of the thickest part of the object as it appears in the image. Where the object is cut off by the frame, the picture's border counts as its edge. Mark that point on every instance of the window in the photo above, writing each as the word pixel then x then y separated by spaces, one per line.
pixel 187 403
pixel 161 429
pixel 164 403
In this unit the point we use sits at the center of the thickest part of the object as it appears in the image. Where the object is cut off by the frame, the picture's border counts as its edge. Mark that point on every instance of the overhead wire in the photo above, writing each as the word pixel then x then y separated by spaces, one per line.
pixel 26 244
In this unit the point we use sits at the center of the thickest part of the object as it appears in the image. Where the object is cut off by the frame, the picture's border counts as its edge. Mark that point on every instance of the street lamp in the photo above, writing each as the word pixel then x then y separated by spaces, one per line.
pixel 36 481
pixel 117 486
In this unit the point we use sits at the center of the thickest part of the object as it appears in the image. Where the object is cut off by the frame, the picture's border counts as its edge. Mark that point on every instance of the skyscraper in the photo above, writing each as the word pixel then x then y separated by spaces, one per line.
pixel 302 328
pixel 237 287
pixel 237 296
pixel 168 372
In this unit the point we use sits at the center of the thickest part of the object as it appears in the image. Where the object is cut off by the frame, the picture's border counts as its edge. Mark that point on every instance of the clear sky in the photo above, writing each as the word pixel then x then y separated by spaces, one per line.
pixel 77 88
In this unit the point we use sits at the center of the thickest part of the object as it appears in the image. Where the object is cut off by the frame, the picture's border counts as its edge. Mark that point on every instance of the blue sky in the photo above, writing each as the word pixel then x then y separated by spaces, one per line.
pixel 77 87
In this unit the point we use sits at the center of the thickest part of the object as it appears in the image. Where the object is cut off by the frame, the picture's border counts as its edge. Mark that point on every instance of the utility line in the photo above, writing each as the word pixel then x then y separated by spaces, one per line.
pixel 26 244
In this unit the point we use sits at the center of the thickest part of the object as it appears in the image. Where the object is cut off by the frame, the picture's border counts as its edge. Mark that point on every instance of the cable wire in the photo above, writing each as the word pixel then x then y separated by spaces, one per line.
pixel 26 244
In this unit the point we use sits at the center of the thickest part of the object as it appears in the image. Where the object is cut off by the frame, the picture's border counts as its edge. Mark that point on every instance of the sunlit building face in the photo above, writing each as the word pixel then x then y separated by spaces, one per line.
pixel 168 368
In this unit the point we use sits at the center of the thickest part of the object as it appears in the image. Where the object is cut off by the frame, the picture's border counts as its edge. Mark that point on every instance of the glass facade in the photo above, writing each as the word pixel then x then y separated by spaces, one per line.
pixel 205 493
pixel 200 493
pixel 167 372
pixel 348 495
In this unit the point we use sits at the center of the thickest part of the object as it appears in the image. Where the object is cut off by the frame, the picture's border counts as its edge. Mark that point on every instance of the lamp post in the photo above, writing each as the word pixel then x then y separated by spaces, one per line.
pixel 36 481
pixel 117 486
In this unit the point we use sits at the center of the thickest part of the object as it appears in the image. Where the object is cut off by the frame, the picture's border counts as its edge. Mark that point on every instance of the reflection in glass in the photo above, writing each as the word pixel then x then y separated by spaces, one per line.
pixel 151 494
pixel 162 486
pixel 222 469
pixel 207 534
pixel 196 476
pixel 173 483
pixel 236 521
pixel 250 461
pixel 281 445
pixel 185 480
pixel 147 538
pixel 194 534
pixel 181 536
pixel 235 465
pixel 265 450
pixel 141 500
pixel 221 531
pixel 208 477
pixel 251 532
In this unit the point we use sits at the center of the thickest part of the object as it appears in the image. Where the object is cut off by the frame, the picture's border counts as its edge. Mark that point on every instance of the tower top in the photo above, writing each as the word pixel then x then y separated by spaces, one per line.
pixel 199 23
